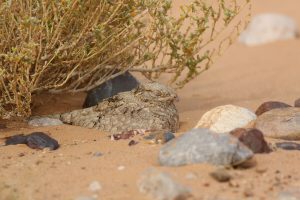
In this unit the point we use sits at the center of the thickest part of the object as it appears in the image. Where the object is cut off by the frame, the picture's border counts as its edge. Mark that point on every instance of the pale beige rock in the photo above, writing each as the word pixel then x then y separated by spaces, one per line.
pixel 283 123
pixel 269 27
pixel 226 118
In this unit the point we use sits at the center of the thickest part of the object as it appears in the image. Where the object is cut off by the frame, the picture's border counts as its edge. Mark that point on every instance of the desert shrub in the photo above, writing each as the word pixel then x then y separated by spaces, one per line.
pixel 75 45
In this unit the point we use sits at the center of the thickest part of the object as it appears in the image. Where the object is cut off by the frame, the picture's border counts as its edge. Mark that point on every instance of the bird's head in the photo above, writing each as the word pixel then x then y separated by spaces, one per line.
pixel 156 92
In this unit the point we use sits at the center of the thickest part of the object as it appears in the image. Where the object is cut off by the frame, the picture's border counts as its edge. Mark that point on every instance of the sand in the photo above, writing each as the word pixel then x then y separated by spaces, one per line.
pixel 244 76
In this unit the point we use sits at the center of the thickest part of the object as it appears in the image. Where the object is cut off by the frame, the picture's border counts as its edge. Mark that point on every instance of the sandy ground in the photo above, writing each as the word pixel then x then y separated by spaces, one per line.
pixel 244 76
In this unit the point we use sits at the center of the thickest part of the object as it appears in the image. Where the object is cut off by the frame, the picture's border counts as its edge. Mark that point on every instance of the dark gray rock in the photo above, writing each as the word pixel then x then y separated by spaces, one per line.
pixel 122 83
pixel 35 140
pixel 161 186
pixel 281 123
pixel 204 146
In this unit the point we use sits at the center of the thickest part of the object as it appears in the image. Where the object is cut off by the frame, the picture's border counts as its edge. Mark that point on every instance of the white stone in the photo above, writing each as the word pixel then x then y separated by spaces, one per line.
pixel 226 118
pixel 269 27
pixel 95 186
pixel 161 186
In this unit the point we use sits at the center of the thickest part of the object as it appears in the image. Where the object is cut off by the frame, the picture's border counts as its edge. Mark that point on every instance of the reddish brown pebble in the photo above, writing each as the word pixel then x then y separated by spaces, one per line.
pixel 253 139
pixel 132 142
pixel 270 105
pixel 127 134
pixel 297 103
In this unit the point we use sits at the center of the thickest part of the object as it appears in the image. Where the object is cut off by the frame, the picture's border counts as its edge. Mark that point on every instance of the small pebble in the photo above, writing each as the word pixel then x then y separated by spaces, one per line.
pixel 21 154
pixel 261 170
pixel 98 154
pixel 221 175
pixel 95 186
pixel 248 192
pixel 132 142
pixel 288 145
pixel 191 176
pixel 84 198
pixel 121 168
pixel 161 186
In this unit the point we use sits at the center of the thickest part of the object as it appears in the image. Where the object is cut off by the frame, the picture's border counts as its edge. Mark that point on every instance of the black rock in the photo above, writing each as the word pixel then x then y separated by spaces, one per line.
pixel 16 139
pixel 122 83
pixel 39 140
pixel 35 140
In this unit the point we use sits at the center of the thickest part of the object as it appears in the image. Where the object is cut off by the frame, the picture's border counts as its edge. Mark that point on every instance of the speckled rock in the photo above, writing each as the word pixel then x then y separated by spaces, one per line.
pixel 270 105
pixel 226 118
pixel 282 123
pixel 44 121
pixel 253 139
pixel 161 186
pixel 269 27
pixel 204 146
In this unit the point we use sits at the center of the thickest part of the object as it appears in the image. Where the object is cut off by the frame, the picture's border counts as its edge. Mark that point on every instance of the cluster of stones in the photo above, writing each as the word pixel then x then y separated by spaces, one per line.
pixel 228 136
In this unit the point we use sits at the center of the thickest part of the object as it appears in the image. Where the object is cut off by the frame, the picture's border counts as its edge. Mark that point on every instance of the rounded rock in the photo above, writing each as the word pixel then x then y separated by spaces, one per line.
pixel 269 27
pixel 226 118
pixel 281 123
pixel 253 139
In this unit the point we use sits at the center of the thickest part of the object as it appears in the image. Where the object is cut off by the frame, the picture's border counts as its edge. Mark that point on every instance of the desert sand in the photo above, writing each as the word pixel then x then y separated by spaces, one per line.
pixel 243 76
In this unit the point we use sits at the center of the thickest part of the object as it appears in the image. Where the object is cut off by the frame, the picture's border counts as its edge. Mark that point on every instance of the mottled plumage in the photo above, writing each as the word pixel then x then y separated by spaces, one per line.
pixel 150 107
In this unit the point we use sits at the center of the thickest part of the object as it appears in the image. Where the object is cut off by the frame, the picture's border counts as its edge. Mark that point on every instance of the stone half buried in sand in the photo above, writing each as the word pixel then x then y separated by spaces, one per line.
pixel 161 186
pixel 269 27
pixel 270 105
pixel 253 139
pixel 226 118
pixel 204 146
pixel 281 123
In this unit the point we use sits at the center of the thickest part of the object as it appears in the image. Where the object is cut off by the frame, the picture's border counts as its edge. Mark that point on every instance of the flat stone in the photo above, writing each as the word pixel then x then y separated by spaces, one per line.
pixel 204 146
pixel 270 105
pixel 161 186
pixel 44 121
pixel 226 118
pixel 253 139
pixel 269 27
pixel 281 123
